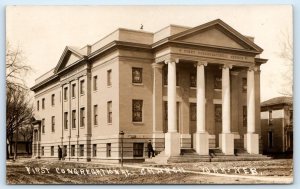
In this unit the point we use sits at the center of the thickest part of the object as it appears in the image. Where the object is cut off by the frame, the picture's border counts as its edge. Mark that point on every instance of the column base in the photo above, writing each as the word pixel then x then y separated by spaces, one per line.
pixel 172 144
pixel 226 143
pixel 251 143
pixel 202 143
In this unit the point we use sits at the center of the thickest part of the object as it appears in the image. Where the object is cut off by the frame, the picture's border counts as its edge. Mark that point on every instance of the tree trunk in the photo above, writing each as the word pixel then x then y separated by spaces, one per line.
pixel 16 144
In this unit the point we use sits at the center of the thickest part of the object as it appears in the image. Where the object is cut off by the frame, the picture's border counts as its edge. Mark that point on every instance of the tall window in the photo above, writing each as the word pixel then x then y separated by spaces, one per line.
pixel 73 119
pixel 137 110
pixel 95 114
pixel 244 84
pixel 43 103
pixel 108 150
pixel 43 125
pixel 218 82
pixel 73 90
pixel 53 123
pixel 66 93
pixel 94 150
pixel 53 99
pixel 218 113
pixel 109 112
pixel 82 117
pixel 138 149
pixel 245 116
pixel 82 87
pixel 38 105
pixel 193 111
pixel 81 150
pixel 52 150
pixel 66 120
pixel 72 150
pixel 95 87
pixel 109 73
pixel 43 150
pixel 193 79
pixel 137 75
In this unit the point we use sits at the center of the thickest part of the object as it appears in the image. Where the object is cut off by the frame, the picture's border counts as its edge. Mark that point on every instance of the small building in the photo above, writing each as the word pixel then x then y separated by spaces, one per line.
pixel 183 88
pixel 277 125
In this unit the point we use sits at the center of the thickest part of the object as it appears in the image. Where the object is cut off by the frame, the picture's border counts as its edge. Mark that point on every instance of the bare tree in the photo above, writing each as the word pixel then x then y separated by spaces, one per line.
pixel 286 54
pixel 19 108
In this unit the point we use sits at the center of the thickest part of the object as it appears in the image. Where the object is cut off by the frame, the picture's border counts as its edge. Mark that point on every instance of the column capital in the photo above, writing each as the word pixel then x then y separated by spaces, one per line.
pixel 157 65
pixel 253 68
pixel 170 60
pixel 200 63
pixel 225 66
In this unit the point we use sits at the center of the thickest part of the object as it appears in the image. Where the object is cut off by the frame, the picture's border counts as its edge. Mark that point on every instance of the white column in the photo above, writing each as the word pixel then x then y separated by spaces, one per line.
pixel 202 139
pixel 250 102
pixel 226 139
pixel 201 97
pixel 172 108
pixel 172 138
pixel 252 140
pixel 225 100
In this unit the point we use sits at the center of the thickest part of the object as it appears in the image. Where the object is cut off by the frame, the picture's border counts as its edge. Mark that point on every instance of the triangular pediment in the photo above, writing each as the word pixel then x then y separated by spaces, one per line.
pixel 216 34
pixel 69 56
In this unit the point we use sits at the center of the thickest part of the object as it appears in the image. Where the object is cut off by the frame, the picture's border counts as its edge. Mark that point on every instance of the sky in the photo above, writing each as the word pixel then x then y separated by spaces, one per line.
pixel 42 32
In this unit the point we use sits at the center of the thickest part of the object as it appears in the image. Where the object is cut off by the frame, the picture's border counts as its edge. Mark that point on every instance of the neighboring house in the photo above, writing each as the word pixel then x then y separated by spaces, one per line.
pixel 277 125
pixel 183 88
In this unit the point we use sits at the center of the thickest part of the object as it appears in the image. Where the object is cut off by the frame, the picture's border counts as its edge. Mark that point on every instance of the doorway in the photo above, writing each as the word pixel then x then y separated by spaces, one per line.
pixel 218 122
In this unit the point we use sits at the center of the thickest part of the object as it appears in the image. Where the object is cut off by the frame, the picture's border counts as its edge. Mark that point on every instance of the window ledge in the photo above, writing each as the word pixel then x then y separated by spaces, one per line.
pixel 109 86
pixel 138 84
pixel 219 90
pixel 193 88
pixel 138 123
pixel 109 123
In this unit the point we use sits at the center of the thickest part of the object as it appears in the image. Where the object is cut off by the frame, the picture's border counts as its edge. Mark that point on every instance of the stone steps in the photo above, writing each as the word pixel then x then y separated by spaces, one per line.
pixel 189 155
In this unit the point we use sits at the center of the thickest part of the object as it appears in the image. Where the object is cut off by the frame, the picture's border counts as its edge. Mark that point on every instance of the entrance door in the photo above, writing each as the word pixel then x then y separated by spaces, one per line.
pixel 218 122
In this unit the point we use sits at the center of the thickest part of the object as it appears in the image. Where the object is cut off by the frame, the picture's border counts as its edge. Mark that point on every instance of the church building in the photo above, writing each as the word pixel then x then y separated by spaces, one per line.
pixel 195 88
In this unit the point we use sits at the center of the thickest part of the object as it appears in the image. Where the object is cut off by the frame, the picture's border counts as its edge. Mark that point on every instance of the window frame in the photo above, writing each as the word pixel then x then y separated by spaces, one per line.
pixel 138 149
pixel 73 119
pixel 193 110
pixel 95 83
pixel 140 70
pixel 82 87
pixel 43 103
pixel 95 114
pixel 52 150
pixel 109 112
pixel 134 112
pixel 74 90
pixel 82 117
pixel 53 100
pixel 81 150
pixel 65 93
pixel 94 150
pixel 66 121
pixel 108 149
pixel 72 150
pixel 53 124
pixel 43 126
pixel 109 78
